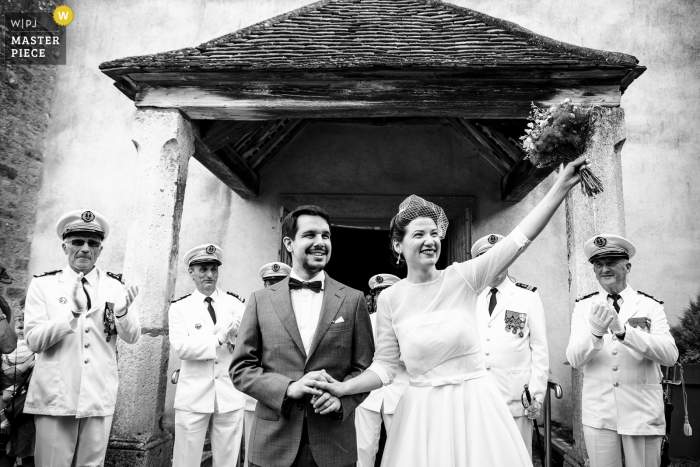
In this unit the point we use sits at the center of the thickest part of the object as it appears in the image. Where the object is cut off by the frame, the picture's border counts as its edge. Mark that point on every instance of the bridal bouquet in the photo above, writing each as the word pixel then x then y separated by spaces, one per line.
pixel 560 134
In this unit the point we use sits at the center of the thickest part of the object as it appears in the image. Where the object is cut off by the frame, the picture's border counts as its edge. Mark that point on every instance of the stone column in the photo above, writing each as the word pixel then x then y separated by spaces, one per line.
pixel 165 143
pixel 586 217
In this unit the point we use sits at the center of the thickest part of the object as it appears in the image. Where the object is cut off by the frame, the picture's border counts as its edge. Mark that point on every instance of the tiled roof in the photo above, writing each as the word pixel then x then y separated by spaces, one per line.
pixel 342 34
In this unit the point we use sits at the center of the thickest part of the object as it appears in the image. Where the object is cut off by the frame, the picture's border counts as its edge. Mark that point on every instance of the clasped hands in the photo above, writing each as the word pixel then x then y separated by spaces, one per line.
pixel 602 318
pixel 226 328
pixel 322 387
pixel 79 299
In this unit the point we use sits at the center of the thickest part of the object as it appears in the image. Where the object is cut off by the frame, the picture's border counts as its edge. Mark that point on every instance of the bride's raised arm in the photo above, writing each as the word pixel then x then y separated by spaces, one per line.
pixel 482 270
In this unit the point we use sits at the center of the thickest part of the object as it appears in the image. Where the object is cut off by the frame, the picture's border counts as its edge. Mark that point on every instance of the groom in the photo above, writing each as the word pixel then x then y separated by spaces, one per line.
pixel 290 332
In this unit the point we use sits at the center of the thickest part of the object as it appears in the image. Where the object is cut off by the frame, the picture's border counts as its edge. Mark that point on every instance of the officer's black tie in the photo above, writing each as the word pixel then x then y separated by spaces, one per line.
pixel 89 302
pixel 492 302
pixel 615 298
pixel 212 313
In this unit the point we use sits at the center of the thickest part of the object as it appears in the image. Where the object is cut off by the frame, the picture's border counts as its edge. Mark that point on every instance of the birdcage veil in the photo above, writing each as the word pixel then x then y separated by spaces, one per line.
pixel 414 207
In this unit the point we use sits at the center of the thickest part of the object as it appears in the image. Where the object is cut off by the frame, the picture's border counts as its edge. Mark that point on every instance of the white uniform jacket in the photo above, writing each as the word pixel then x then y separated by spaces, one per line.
pixel 622 379
pixel 389 395
pixel 204 374
pixel 76 367
pixel 513 360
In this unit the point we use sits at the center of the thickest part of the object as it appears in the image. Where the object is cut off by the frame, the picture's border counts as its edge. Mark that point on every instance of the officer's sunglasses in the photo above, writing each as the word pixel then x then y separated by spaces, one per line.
pixel 80 242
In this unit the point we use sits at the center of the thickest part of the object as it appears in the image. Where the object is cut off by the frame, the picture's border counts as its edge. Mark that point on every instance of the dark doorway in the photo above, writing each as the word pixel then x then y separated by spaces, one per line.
pixel 359 254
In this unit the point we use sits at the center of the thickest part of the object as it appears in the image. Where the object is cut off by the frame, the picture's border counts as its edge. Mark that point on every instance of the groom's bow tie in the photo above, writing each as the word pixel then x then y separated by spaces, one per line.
pixel 295 284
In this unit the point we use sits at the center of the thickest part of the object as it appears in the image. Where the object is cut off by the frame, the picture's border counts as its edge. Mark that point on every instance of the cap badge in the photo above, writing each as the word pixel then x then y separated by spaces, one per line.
pixel 88 216
pixel 600 242
pixel 275 267
pixel 493 239
pixel 211 249
pixel 197 326
pixel 62 300
pixel 380 279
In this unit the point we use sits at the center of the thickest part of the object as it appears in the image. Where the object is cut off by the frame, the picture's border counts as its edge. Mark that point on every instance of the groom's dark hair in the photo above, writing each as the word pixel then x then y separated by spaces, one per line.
pixel 289 226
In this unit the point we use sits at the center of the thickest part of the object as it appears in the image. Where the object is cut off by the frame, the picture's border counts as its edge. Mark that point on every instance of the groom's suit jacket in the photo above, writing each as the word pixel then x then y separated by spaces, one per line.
pixel 269 355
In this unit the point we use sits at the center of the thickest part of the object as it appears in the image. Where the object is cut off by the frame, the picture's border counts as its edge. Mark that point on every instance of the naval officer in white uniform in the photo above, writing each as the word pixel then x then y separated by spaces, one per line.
pixel 513 335
pixel 72 320
pixel 381 403
pixel 203 329
pixel 619 338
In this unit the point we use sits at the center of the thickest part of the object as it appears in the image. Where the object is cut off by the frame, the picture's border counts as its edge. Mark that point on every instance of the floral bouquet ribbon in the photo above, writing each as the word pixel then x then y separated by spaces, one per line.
pixel 560 134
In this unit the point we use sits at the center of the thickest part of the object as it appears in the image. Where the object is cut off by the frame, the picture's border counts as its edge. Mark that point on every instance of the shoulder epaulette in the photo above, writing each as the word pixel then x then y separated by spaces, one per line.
pixel 649 296
pixel 526 287
pixel 178 299
pixel 115 276
pixel 586 296
pixel 237 296
pixel 50 273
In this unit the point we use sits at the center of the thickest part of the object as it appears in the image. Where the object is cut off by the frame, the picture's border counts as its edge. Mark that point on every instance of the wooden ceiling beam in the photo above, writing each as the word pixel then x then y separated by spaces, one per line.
pixel 486 142
pixel 521 179
pixel 264 100
pixel 276 143
pixel 504 143
pixel 458 124
pixel 228 167
pixel 228 132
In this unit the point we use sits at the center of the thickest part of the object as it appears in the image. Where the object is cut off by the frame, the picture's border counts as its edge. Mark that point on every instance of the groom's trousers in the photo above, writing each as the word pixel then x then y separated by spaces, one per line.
pixel 304 457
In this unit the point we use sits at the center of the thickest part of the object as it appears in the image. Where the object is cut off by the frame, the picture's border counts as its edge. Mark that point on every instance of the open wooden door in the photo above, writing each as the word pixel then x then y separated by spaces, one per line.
pixel 459 238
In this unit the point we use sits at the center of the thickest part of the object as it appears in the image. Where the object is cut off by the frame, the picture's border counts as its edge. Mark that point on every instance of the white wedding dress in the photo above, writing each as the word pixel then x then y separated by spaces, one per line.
pixel 451 415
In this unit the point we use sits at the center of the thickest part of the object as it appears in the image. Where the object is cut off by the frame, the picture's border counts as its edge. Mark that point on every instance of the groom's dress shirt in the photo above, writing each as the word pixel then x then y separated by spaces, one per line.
pixel 307 308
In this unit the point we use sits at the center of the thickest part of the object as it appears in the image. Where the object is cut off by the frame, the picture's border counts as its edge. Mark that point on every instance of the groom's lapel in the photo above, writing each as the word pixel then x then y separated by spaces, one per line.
pixel 282 303
pixel 333 296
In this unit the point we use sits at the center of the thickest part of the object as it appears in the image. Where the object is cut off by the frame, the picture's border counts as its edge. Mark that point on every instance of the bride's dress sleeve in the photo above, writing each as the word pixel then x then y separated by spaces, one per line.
pixel 479 272
pixel 386 353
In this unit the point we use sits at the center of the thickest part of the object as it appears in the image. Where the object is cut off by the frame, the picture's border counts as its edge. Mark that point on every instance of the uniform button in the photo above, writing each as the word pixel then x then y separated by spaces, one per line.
pixel 87 330
pixel 614 338
pixel 216 362
pixel 614 368
pixel 87 345
pixel 488 368
pixel 614 352
pixel 488 338
pixel 487 354
pixel 489 325
pixel 216 377
pixel 87 360
pixel 300 407
pixel 306 371
pixel 616 384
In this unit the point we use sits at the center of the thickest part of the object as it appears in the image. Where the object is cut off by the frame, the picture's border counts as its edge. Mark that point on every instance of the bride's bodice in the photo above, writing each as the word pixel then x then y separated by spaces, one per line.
pixel 432 325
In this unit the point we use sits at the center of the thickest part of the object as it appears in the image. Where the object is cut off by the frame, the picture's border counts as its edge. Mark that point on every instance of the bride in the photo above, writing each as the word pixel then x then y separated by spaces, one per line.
pixel 451 414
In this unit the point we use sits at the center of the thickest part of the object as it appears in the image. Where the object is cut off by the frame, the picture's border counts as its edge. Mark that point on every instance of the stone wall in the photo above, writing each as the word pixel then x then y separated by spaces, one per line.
pixel 26 93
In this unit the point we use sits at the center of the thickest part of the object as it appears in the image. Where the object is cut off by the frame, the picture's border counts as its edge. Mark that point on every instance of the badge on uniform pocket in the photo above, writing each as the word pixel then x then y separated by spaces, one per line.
pixel 515 322
pixel 642 323
pixel 109 323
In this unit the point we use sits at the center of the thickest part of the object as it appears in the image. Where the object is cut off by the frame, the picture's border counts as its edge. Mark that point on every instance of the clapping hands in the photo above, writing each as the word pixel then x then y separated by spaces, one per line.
pixel 227 328
pixel 125 301
pixel 602 318
pixel 599 320
pixel 78 297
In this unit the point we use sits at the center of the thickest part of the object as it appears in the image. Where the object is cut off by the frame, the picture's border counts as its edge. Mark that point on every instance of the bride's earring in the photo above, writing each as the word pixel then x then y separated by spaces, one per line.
pixel 398 260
